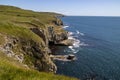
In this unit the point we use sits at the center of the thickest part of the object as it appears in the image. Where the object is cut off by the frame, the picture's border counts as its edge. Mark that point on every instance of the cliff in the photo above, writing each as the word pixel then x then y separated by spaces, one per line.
pixel 25 36
pixel 22 27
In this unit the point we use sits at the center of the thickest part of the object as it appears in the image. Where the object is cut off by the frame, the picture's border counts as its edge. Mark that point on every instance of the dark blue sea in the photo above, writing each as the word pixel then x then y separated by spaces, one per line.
pixel 97 48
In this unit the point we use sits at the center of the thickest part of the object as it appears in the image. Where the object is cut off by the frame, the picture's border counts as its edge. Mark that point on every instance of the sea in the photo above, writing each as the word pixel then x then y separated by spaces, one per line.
pixel 96 47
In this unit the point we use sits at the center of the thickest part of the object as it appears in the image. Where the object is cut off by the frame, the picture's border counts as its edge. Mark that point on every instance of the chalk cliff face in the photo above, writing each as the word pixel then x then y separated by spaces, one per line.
pixel 28 36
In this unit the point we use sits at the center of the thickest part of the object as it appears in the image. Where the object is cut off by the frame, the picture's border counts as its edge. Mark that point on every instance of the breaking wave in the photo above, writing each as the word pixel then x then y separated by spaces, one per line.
pixel 78 32
pixel 74 36
pixel 65 27
pixel 76 42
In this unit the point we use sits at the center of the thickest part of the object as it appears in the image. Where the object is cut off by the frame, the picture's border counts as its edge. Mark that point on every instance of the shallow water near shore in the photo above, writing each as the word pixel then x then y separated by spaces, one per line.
pixel 97 48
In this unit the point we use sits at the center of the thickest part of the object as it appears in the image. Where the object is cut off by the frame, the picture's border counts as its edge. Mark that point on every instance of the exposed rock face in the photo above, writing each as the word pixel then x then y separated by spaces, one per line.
pixel 69 57
pixel 8 47
pixel 41 33
pixel 58 21
pixel 56 37
pixel 41 61
pixel 33 54
pixel 49 36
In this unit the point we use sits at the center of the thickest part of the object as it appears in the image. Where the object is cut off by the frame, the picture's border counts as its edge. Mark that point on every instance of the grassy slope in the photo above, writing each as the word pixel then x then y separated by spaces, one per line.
pixel 17 14
pixel 20 32
pixel 10 24
pixel 11 70
pixel 2 40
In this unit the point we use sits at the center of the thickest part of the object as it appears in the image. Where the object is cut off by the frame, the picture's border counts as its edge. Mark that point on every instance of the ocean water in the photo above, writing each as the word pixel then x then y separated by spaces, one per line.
pixel 96 46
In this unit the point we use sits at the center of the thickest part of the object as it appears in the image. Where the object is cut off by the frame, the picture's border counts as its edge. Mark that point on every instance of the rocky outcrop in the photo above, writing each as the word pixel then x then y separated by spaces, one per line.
pixel 52 34
pixel 34 55
pixel 57 22
pixel 42 61
pixel 67 42
pixel 56 37
pixel 69 57
pixel 8 48
pixel 50 37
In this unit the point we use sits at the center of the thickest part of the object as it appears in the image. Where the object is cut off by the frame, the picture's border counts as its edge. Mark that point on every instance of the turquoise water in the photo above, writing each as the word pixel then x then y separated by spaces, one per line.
pixel 98 54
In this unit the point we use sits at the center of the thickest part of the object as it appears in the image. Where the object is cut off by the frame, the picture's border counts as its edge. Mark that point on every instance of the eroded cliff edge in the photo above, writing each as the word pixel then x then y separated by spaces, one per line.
pixel 26 36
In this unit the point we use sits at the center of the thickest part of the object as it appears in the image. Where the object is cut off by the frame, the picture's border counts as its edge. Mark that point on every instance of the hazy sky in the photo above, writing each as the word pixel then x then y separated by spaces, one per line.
pixel 70 7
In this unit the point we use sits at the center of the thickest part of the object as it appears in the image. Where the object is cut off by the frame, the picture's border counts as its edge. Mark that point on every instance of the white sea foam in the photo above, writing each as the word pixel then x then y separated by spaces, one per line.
pixel 83 44
pixel 78 32
pixel 70 37
pixel 70 47
pixel 82 34
pixel 76 42
pixel 65 27
pixel 70 33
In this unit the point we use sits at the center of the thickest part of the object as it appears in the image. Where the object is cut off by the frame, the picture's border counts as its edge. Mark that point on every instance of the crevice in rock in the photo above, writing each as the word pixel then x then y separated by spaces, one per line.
pixel 38 32
pixel 51 43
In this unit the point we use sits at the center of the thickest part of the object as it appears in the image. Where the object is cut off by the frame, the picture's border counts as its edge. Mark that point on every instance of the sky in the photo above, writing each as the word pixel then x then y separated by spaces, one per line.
pixel 70 7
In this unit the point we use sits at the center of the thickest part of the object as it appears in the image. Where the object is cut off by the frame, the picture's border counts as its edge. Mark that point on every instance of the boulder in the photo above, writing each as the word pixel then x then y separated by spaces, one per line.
pixel 68 42
pixel 71 57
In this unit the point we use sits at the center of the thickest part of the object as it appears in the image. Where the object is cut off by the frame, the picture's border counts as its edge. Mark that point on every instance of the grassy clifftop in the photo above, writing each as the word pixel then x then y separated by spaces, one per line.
pixel 20 15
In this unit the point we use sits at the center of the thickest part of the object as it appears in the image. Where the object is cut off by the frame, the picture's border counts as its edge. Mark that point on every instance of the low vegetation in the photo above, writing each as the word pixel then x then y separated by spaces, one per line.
pixel 2 40
pixel 11 70
pixel 17 31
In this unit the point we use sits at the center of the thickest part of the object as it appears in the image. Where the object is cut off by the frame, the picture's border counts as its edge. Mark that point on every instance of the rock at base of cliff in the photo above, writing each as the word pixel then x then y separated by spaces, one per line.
pixel 68 42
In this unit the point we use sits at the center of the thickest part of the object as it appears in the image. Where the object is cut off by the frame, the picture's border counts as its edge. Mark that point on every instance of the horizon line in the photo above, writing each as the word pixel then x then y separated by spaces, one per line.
pixel 95 15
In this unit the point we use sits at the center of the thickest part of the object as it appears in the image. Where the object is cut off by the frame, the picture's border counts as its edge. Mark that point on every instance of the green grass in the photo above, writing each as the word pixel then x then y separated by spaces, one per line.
pixel 11 13
pixel 10 70
pixel 20 32
pixel 2 40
